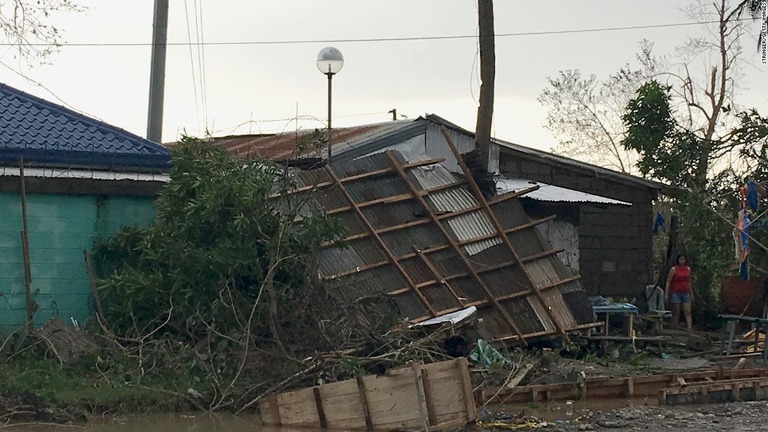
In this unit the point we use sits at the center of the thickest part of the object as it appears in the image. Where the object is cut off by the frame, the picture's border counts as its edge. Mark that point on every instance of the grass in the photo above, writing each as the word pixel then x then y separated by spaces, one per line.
pixel 69 387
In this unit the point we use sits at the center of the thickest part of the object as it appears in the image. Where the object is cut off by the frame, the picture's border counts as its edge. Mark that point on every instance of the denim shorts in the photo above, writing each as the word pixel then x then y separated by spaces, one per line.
pixel 679 298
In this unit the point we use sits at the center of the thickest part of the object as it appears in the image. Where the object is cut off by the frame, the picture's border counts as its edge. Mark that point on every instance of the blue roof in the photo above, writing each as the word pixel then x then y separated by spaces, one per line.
pixel 46 134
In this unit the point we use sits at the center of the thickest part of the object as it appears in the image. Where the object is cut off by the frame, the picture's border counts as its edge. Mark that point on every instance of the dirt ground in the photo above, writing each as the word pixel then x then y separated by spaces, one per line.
pixel 737 416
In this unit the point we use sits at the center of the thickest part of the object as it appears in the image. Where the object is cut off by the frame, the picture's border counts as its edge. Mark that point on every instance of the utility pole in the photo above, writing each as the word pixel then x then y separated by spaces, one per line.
pixel 487 78
pixel 157 72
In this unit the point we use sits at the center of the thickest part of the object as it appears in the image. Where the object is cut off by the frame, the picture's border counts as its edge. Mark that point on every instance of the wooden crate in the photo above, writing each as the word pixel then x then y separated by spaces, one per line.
pixel 429 397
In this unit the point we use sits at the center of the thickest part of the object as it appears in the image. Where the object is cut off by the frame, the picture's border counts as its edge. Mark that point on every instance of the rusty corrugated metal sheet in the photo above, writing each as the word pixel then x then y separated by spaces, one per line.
pixel 445 282
pixel 304 144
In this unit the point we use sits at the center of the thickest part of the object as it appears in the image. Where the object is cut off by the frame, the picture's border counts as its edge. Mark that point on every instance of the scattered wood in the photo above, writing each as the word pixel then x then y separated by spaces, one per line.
pixel 742 363
pixel 735 356
pixel 519 376
pixel 429 397
pixel 64 342
pixel 700 354
pixel 607 388
pixel 749 389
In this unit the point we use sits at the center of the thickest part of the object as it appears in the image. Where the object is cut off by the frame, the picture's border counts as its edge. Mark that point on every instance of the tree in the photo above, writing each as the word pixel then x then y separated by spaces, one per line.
pixel 27 25
pixel 224 258
pixel 754 9
pixel 585 113
pixel 688 130
pixel 487 77
pixel 684 126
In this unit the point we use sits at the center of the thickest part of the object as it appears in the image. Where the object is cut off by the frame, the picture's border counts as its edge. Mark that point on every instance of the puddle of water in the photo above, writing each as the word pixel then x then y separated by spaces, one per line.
pixel 561 410
pixel 162 423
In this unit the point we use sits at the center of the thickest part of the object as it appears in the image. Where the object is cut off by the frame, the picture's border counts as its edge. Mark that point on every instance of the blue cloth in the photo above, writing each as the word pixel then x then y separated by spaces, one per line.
pixel 744 270
pixel 751 194
pixel 679 298
pixel 615 308
pixel 658 223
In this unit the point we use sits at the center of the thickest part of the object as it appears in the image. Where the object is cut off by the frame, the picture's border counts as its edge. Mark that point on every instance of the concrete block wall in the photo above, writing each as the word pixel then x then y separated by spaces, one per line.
pixel 615 242
pixel 60 228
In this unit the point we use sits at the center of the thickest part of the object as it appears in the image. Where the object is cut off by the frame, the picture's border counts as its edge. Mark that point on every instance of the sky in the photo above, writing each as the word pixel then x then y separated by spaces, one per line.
pixel 257 83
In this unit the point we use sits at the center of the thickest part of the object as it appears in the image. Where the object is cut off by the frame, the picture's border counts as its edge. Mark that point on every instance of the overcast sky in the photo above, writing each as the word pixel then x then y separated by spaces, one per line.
pixel 257 87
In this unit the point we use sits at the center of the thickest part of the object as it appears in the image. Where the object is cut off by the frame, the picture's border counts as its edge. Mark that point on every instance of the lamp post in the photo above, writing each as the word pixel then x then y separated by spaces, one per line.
pixel 329 61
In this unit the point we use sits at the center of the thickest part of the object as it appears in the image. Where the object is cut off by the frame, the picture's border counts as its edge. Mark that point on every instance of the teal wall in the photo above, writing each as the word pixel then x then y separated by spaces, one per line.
pixel 60 228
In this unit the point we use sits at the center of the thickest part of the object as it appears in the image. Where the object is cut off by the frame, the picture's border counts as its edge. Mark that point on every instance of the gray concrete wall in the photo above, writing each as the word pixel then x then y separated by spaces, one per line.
pixel 616 256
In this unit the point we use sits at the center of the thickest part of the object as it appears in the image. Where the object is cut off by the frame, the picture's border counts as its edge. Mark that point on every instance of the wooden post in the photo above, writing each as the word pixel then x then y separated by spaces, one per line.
pixel 364 403
pixel 94 290
pixel 319 406
pixel 421 397
pixel 469 400
pixel 275 409
pixel 25 251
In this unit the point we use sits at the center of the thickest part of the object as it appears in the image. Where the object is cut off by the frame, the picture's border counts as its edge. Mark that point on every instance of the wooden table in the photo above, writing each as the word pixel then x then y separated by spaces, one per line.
pixel 618 308
pixel 729 332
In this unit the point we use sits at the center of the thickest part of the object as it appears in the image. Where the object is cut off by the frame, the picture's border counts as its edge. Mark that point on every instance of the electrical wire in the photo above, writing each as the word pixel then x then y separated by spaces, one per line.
pixel 201 61
pixel 192 63
pixel 389 39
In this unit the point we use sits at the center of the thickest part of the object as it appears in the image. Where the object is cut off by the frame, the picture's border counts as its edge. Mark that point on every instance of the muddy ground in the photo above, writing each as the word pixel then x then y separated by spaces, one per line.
pixel 737 416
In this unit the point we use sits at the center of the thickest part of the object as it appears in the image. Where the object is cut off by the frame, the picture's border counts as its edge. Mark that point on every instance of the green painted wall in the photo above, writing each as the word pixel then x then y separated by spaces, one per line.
pixel 60 228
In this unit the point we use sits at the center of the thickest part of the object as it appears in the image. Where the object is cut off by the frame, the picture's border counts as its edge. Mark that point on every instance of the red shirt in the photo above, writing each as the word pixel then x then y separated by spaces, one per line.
pixel 681 280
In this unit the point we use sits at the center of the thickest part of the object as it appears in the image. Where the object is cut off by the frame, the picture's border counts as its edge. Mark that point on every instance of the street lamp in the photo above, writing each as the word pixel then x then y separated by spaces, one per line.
pixel 329 61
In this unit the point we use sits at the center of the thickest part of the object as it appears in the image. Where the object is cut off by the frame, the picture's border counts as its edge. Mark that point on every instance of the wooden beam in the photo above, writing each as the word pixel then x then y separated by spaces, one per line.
pixel 545 332
pixel 392 258
pixel 436 275
pixel 436 248
pixel 505 239
pixel 319 406
pixel 395 198
pixel 508 196
pixel 410 165
pixel 456 249
pixel 364 403
pixel 545 254
pixel 421 397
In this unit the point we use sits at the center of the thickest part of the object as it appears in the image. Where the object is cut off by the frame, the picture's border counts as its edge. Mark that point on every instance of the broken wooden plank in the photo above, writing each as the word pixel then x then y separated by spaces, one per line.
pixel 606 388
pixel 519 376
pixel 750 389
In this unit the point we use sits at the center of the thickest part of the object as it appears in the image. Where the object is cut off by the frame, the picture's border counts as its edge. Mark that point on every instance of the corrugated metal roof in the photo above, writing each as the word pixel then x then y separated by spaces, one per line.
pixel 348 143
pixel 406 255
pixel 550 193
pixel 465 227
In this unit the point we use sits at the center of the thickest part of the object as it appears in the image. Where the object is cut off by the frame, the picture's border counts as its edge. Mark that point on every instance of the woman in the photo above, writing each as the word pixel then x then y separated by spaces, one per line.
pixel 679 290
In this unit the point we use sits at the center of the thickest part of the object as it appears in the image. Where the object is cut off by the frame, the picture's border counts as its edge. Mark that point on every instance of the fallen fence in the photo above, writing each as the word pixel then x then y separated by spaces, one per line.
pixel 429 397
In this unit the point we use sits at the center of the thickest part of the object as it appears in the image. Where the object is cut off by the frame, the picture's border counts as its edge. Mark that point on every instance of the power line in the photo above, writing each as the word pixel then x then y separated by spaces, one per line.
pixel 391 39
pixel 192 62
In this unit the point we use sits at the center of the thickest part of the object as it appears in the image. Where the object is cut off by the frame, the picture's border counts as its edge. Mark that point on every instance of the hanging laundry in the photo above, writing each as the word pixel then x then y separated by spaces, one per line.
pixel 659 223
pixel 742 224
pixel 752 193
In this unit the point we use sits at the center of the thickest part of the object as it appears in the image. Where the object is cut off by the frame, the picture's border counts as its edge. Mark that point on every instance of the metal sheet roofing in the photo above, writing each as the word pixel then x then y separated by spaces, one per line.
pixel 347 143
pixel 552 193
pixel 354 142
pixel 50 135
pixel 418 222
